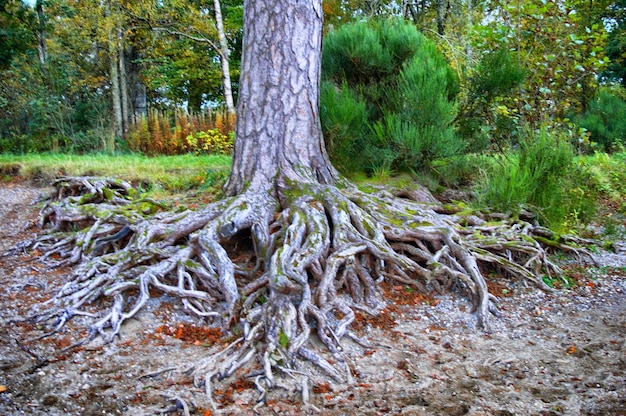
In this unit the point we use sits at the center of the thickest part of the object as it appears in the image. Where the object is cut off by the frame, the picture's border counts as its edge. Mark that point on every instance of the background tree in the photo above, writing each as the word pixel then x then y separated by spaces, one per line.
pixel 190 54
pixel 15 36
pixel 103 67
pixel 59 104
pixel 561 52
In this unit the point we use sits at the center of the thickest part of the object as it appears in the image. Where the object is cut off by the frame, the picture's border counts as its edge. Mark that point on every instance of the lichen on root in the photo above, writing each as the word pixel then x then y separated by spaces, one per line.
pixel 289 267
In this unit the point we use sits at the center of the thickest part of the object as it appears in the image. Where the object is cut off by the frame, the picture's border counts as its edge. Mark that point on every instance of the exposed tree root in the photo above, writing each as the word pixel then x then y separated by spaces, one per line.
pixel 315 254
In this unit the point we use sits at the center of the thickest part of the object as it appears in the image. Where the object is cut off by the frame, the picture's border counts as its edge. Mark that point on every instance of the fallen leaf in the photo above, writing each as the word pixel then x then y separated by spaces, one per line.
pixel 572 349
pixel 3 388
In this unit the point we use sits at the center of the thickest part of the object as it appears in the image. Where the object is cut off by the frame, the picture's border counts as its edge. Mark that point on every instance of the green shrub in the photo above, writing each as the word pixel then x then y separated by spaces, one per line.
pixel 387 100
pixel 539 175
pixel 607 176
pixel 346 132
pixel 605 120
pixel 460 170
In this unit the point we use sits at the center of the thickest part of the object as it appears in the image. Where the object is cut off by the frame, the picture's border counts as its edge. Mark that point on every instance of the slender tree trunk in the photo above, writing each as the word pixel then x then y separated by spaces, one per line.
pixel 115 93
pixel 224 57
pixel 278 132
pixel 114 78
pixel 442 14
pixel 42 47
pixel 470 25
pixel 121 63
pixel 140 101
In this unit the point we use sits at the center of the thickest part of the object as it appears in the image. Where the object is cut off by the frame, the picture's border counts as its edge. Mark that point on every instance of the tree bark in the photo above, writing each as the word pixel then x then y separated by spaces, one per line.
pixel 118 124
pixel 278 132
pixel 442 14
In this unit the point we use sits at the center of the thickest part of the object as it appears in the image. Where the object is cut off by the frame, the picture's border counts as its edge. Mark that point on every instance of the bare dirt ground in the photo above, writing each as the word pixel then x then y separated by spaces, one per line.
pixel 560 353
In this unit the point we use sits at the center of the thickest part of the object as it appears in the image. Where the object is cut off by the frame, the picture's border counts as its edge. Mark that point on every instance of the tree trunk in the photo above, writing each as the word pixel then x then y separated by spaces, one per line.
pixel 116 98
pixel 442 15
pixel 278 132
pixel 224 57
pixel 42 47
pixel 114 78
pixel 121 63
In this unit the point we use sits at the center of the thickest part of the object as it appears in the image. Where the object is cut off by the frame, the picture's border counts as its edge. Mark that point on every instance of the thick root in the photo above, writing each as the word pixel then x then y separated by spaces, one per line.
pixel 307 258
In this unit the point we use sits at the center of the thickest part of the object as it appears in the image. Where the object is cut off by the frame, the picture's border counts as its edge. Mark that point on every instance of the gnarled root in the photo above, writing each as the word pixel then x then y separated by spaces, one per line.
pixel 315 254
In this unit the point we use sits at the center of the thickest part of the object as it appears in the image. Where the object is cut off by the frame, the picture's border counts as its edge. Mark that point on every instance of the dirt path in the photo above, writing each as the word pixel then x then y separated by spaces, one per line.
pixel 562 353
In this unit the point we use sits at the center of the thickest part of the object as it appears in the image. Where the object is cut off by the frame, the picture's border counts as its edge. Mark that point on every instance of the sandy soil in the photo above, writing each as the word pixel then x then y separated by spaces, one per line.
pixel 560 353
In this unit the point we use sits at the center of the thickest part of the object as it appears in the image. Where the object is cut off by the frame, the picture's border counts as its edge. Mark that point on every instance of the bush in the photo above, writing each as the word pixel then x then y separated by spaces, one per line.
pixel 605 120
pixel 345 122
pixel 539 175
pixel 387 100
pixel 210 142
pixel 607 176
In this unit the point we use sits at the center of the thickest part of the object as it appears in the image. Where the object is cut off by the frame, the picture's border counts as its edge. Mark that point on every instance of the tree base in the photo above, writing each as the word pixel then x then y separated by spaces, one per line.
pixel 285 271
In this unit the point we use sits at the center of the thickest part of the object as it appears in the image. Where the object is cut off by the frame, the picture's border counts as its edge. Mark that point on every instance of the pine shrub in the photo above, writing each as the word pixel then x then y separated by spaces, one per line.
pixel 388 99
pixel 605 120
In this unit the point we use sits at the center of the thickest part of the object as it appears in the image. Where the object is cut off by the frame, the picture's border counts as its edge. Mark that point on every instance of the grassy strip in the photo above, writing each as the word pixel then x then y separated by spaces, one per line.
pixel 169 173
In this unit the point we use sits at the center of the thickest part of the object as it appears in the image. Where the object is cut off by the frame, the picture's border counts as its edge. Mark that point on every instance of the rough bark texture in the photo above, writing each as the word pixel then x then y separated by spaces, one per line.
pixel 284 261
pixel 278 128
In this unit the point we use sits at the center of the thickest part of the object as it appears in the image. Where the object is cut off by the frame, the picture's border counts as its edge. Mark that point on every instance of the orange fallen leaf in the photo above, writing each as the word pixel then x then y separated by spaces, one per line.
pixel 572 349
pixel 179 332
pixel 208 413
pixel 3 388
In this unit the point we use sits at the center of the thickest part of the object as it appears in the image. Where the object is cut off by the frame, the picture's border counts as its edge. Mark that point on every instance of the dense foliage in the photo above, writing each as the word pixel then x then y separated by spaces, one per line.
pixel 605 121
pixel 80 76
pixel 540 176
pixel 485 121
pixel 388 101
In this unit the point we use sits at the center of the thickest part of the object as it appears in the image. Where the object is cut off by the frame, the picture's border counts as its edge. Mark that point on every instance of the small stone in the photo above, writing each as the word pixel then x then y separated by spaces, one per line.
pixel 50 400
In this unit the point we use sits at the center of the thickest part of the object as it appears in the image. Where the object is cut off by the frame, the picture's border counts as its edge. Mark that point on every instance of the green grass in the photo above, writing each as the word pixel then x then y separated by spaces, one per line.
pixel 168 173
